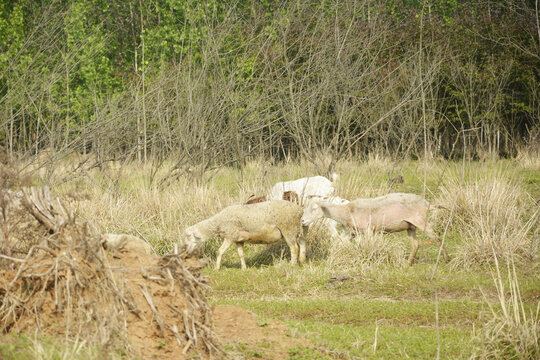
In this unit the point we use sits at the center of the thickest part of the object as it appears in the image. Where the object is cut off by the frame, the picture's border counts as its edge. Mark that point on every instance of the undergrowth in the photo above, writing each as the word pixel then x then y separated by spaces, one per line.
pixel 490 213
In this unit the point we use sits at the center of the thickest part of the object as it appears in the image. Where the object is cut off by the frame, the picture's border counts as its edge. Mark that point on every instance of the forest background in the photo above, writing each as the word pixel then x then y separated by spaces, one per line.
pixel 213 83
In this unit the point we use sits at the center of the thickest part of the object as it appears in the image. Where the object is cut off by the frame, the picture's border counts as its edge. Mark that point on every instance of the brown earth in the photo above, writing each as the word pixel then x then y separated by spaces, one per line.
pixel 67 286
pixel 95 315
pixel 253 337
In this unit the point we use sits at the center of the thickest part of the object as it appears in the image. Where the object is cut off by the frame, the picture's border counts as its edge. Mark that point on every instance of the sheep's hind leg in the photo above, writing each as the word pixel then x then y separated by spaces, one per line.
pixel 428 230
pixel 414 243
pixel 226 244
pixel 240 248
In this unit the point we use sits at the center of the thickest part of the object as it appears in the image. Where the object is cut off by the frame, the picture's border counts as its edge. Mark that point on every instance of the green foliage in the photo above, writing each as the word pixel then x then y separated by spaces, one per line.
pixel 68 67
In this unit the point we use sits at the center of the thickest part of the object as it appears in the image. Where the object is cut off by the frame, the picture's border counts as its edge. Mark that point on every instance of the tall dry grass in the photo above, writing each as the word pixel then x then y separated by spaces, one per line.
pixel 493 216
pixel 367 251
pixel 492 207
pixel 510 332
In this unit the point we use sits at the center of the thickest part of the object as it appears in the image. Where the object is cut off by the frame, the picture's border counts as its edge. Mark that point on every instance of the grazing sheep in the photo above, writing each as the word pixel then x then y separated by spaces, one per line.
pixel 263 223
pixel 310 216
pixel 390 213
pixel 316 185
pixel 126 242
pixel 255 200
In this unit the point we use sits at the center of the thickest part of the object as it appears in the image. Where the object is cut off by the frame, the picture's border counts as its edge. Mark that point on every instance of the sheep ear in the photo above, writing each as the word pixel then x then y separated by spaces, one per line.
pixel 197 234
pixel 324 208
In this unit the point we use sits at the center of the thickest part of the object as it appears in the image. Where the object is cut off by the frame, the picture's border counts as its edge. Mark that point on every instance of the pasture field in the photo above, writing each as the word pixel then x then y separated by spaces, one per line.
pixel 356 299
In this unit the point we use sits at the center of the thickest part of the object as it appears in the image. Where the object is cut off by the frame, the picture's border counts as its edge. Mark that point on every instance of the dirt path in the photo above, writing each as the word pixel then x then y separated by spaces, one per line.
pixel 251 337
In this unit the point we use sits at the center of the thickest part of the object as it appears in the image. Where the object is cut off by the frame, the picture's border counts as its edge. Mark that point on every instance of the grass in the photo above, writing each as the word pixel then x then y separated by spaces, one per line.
pixel 382 309
pixel 347 341
pixel 23 347
pixel 513 328
pixel 360 313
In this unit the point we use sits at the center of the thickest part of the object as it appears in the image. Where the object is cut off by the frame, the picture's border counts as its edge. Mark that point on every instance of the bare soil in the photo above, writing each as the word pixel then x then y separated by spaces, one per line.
pixel 242 330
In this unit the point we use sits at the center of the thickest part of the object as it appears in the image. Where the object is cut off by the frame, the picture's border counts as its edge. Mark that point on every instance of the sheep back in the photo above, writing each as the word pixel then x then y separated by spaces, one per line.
pixel 126 242
pixel 315 185
pixel 252 218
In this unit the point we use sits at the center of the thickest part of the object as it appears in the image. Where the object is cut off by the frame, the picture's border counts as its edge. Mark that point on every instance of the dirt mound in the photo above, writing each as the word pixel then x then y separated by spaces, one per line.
pixel 68 286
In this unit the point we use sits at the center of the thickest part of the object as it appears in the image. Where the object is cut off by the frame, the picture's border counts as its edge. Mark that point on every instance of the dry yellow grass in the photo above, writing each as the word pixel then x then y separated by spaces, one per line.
pixel 491 205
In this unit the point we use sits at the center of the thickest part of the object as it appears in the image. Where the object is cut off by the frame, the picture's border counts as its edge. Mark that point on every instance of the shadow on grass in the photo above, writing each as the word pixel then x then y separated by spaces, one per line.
pixel 256 255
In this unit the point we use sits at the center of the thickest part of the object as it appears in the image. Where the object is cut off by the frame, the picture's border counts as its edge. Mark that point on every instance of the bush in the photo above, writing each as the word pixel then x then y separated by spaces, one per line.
pixel 491 215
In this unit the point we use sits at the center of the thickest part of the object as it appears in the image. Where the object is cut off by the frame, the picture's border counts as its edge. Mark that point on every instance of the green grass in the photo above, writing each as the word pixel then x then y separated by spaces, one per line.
pixel 26 347
pixel 401 304
pixel 415 342
pixel 396 306
pixel 359 313
pixel 284 281
pixel 343 319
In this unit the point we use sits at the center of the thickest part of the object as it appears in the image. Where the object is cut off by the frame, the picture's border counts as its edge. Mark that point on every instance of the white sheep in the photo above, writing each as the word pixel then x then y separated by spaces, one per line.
pixel 262 223
pixel 315 185
pixel 126 242
pixel 390 213
pixel 312 215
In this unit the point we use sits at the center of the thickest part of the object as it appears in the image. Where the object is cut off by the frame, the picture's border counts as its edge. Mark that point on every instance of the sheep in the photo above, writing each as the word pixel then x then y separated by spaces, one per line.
pixel 310 216
pixel 390 213
pixel 263 223
pixel 126 242
pixel 316 185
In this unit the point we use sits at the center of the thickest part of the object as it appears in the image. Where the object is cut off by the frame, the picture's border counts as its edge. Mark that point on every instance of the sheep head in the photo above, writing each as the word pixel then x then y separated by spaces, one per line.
pixel 193 238
pixel 311 214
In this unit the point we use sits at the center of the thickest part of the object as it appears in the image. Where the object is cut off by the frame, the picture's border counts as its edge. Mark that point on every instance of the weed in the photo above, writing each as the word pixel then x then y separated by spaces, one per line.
pixel 511 332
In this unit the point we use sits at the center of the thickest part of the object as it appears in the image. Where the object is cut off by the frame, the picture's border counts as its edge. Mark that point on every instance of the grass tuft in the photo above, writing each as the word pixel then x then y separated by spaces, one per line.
pixel 492 215
pixel 511 332
pixel 367 250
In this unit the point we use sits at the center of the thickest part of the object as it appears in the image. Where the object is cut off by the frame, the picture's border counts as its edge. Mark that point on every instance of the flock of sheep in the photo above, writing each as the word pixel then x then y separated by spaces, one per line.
pixel 292 206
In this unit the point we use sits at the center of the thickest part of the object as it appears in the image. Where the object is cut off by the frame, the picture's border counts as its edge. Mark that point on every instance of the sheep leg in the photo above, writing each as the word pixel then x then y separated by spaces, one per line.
pixel 240 248
pixel 332 228
pixel 414 243
pixel 431 234
pixel 291 241
pixel 302 243
pixel 302 256
pixel 226 244
pixel 428 230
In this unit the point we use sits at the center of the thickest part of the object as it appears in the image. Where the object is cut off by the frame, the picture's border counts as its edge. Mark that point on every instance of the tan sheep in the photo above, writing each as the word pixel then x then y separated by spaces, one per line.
pixel 255 200
pixel 262 223
pixel 291 196
pixel 390 213
pixel 126 242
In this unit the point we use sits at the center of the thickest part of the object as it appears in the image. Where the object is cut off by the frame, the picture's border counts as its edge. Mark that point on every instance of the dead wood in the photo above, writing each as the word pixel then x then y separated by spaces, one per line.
pixel 69 279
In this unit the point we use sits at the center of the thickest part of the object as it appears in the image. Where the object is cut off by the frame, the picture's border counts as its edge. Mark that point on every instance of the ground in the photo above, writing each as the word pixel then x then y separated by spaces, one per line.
pixel 360 301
